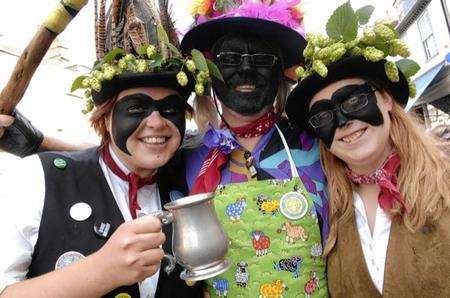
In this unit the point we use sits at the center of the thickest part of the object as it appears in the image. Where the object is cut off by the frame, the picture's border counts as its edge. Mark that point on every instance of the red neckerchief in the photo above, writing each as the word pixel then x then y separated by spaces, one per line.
pixel 386 178
pixel 256 128
pixel 134 181
pixel 210 173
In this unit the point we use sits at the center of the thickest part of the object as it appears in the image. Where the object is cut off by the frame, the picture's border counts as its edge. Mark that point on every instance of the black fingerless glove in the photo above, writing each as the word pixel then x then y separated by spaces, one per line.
pixel 21 138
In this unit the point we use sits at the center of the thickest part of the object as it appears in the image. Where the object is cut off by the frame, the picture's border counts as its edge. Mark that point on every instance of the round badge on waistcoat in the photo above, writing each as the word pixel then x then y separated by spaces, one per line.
pixel 68 258
pixel 80 211
pixel 293 205
pixel 123 295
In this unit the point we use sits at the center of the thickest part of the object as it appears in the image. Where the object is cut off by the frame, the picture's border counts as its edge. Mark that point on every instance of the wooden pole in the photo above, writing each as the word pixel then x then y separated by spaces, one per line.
pixel 27 64
pixel 35 51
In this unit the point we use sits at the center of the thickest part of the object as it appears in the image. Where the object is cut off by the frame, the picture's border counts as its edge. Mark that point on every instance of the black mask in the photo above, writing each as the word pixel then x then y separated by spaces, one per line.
pixel 347 103
pixel 265 78
pixel 129 112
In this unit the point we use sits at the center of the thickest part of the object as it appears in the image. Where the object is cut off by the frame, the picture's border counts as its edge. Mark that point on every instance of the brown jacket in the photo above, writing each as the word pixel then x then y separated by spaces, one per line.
pixel 417 264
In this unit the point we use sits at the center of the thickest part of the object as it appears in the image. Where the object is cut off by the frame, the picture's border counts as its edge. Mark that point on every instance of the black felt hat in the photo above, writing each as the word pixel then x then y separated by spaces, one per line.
pixel 125 81
pixel 297 104
pixel 203 36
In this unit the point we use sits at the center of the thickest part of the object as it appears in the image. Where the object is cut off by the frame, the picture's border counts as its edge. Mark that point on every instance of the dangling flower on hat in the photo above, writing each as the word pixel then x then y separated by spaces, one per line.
pixel 378 43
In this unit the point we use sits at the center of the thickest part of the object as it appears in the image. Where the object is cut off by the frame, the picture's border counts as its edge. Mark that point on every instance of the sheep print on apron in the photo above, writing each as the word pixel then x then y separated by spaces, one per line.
pixel 275 244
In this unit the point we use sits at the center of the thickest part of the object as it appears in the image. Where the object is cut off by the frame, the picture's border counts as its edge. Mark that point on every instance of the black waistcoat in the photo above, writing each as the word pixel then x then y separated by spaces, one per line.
pixel 82 180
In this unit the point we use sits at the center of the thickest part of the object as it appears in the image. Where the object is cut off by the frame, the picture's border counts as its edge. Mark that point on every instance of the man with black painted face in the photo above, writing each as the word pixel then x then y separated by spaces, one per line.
pixel 253 146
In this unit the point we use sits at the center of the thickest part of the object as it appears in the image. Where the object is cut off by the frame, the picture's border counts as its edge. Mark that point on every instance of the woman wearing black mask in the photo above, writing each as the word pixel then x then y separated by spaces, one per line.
pixel 388 184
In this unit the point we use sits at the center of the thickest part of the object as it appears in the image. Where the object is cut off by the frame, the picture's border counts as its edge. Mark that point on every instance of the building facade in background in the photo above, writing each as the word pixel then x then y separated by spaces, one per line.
pixel 425 26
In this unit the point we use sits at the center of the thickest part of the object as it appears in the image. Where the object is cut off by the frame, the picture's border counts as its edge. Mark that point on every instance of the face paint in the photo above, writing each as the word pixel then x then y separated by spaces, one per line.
pixel 347 103
pixel 260 82
pixel 132 109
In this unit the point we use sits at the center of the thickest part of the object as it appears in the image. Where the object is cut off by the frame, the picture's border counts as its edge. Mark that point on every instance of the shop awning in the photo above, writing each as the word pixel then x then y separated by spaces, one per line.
pixel 433 87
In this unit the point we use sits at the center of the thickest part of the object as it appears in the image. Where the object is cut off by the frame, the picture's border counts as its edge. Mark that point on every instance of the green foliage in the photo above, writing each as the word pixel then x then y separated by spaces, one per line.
pixel 343 23
pixel 408 67
pixel 199 60
pixel 78 83
pixel 364 14
pixel 214 70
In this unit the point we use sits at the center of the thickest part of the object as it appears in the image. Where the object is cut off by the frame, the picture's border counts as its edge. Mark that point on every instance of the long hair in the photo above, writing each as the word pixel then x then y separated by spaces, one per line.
pixel 99 120
pixel 423 178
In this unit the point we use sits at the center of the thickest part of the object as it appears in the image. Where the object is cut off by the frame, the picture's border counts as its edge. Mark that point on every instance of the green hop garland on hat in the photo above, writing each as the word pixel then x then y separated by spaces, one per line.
pixel 149 59
pixel 376 43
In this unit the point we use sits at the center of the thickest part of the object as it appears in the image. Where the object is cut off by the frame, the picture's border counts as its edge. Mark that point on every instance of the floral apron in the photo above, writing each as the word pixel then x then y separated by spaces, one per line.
pixel 275 244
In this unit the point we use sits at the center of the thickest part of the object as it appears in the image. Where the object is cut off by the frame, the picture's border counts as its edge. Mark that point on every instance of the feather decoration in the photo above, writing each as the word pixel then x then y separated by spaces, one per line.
pixel 96 28
pixel 135 33
pixel 165 11
pixel 101 30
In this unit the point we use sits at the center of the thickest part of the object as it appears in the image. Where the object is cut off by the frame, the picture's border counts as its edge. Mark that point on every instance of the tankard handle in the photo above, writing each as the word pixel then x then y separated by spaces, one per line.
pixel 166 218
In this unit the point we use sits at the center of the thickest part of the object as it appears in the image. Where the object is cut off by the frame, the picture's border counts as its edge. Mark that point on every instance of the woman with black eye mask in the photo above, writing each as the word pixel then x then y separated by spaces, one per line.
pixel 388 184
pixel 81 225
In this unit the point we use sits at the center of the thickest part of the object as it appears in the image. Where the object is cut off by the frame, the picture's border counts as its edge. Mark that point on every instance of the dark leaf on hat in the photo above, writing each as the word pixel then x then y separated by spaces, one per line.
pixel 157 61
pixel 408 67
pixel 77 84
pixel 343 23
pixel 143 49
pixel 214 70
pixel 364 14
pixel 113 55
pixel 199 60
pixel 173 49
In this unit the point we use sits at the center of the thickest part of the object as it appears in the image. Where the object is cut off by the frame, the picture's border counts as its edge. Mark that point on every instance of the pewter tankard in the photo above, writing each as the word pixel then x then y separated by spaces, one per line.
pixel 199 241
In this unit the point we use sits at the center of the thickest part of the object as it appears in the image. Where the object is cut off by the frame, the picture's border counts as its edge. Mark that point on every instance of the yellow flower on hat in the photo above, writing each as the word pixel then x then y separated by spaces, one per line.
pixel 201 7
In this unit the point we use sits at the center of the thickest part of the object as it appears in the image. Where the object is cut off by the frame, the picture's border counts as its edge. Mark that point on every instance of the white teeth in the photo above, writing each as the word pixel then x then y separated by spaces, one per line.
pixel 245 87
pixel 353 136
pixel 154 140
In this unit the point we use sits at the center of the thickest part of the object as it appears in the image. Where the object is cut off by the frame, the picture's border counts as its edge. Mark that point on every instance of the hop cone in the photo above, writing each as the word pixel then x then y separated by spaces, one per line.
pixel 199 89
pixel 98 75
pixel 151 51
pixel 308 52
pixel 299 71
pixel 95 84
pixel 384 32
pixel 398 47
pixel 86 83
pixel 190 65
pixel 351 44
pixel 182 78
pixel 324 54
pixel 356 51
pixel 322 41
pixel 373 54
pixel 311 37
pixel 391 71
pixel 320 68
pixel 122 64
pixel 141 65
pixel 109 72
pixel 368 38
pixel 412 89
pixel 337 54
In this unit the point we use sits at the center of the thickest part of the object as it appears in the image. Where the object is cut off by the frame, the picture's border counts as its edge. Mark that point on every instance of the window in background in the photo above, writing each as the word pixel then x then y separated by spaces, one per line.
pixel 427 36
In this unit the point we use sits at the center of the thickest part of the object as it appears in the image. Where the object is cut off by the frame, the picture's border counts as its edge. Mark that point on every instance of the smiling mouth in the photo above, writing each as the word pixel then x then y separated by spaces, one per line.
pixel 354 136
pixel 159 140
pixel 245 88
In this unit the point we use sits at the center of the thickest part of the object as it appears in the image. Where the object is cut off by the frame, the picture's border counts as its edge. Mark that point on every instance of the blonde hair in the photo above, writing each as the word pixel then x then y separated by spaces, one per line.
pixel 423 178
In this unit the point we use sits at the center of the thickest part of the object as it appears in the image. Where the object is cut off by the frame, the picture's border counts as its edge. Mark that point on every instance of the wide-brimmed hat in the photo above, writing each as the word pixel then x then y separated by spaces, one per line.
pixel 297 105
pixel 345 55
pixel 137 47
pixel 279 23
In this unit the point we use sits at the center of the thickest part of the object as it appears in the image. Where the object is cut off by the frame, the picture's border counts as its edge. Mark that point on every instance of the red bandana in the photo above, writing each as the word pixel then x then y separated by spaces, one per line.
pixel 134 181
pixel 386 178
pixel 256 128
pixel 210 173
